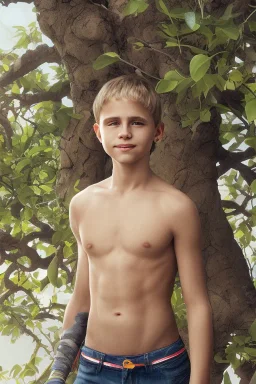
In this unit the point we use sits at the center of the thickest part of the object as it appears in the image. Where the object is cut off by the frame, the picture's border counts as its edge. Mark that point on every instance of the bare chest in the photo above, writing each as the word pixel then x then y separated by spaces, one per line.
pixel 137 226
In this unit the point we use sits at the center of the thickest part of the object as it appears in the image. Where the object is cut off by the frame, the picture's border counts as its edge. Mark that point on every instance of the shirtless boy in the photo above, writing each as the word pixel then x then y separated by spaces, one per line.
pixel 134 232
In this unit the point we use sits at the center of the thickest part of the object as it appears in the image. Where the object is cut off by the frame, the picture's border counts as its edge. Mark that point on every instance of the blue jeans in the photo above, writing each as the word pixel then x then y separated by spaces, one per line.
pixel 174 370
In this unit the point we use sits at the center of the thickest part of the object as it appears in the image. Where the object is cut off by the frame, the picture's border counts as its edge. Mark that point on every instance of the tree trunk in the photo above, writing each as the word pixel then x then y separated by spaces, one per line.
pixel 81 31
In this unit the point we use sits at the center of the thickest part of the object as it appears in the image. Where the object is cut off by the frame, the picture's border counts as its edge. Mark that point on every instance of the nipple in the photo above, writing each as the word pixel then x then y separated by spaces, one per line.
pixel 89 245
pixel 146 244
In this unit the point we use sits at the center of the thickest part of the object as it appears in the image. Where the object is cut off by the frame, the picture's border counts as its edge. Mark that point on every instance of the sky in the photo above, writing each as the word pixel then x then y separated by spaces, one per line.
pixel 20 351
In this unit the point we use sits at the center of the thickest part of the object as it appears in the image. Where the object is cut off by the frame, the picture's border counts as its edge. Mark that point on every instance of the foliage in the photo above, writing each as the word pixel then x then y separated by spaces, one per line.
pixel 42 250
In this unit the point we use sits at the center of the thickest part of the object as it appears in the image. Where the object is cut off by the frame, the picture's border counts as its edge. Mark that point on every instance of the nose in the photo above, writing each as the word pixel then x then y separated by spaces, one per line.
pixel 125 131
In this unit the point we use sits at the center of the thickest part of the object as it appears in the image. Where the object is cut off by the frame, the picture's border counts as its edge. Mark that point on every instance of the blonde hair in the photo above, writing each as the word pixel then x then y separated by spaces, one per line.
pixel 132 87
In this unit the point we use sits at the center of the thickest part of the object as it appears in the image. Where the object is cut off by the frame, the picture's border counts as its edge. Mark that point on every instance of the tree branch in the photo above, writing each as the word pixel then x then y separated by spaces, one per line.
pixel 7 130
pixel 28 99
pixel 5 3
pixel 237 208
pixel 246 172
pixel 30 61
pixel 229 159
pixel 8 243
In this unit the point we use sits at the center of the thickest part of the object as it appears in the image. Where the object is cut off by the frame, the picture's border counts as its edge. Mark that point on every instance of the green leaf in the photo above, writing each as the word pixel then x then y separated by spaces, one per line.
pixel 164 86
pixel 169 29
pixel 253 326
pixel 251 141
pixel 46 188
pixel 240 340
pixel 162 7
pixel 210 81
pixel 61 119
pixel 226 378
pixel 198 88
pixel 219 82
pixel 23 42
pixel 184 84
pixel 230 85
pixel 171 44
pixel 206 32
pixel 106 59
pixel 235 75
pixel 252 25
pixel 238 234
pixel 173 75
pixel 194 49
pixel 77 116
pixel 190 19
pixel 43 283
pixel 219 359
pixel 15 89
pixel 250 351
pixel 15 370
pixel 205 115
pixel 178 13
pixel 22 164
pixel 59 283
pixel 232 32
pixel 67 251
pixel 250 110
pixel 228 12
pixel 134 7
pixel 138 45
pixel 142 6
pixel 52 271
pixel 198 67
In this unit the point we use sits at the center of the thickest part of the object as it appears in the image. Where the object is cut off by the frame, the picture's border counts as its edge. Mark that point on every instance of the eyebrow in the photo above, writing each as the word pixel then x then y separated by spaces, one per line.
pixel 118 117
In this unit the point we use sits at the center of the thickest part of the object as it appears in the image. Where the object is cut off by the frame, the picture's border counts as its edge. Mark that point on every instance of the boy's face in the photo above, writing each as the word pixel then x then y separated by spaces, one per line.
pixel 126 122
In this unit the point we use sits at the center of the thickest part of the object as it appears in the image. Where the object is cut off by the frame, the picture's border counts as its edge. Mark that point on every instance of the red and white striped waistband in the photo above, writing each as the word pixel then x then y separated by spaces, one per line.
pixel 129 364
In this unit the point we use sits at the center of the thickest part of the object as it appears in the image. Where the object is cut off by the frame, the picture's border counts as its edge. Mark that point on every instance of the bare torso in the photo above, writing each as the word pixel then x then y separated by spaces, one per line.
pixel 132 269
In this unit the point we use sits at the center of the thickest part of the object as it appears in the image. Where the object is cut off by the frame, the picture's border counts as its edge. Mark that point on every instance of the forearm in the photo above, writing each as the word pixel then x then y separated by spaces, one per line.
pixel 73 307
pixel 200 332
pixel 73 335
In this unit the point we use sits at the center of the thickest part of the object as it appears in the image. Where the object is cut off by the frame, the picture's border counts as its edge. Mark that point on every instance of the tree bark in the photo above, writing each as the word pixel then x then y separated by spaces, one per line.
pixel 81 31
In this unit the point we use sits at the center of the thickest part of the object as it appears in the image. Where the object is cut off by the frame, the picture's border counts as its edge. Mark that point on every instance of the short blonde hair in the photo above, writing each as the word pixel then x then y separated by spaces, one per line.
pixel 131 87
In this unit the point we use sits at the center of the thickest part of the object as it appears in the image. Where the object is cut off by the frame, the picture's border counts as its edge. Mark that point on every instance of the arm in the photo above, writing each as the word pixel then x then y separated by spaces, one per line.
pixel 76 313
pixel 187 245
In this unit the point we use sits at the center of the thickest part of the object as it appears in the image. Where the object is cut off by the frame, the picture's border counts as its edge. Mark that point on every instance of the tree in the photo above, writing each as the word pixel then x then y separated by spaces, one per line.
pixel 200 58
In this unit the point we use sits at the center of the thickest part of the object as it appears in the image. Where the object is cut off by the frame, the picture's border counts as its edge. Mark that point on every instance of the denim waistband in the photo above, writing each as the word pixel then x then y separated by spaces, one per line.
pixel 145 358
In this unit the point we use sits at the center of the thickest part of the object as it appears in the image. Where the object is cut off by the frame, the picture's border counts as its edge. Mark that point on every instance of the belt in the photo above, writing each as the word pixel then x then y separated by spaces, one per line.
pixel 129 364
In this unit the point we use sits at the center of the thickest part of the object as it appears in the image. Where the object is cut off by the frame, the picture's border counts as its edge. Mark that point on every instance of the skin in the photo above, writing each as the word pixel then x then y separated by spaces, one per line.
pixel 134 232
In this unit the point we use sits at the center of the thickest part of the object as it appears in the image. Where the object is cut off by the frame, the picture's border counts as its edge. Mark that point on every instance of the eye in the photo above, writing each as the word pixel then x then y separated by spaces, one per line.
pixel 115 122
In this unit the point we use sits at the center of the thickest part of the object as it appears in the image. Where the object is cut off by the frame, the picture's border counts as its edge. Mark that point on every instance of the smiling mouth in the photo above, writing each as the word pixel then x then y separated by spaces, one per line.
pixel 125 148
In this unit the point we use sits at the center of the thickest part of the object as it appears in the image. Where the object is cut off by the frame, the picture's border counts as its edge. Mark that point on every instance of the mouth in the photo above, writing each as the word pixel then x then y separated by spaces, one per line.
pixel 125 148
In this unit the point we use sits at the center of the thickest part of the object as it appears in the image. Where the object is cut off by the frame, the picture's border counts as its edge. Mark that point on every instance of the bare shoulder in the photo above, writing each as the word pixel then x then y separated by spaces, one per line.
pixel 80 201
pixel 178 202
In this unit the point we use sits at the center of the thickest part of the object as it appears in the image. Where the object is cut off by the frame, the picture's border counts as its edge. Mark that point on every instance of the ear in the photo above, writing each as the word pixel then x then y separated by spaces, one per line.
pixel 159 131
pixel 96 128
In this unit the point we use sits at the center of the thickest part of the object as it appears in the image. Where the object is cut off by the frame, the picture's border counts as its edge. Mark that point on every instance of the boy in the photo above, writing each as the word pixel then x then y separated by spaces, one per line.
pixel 134 232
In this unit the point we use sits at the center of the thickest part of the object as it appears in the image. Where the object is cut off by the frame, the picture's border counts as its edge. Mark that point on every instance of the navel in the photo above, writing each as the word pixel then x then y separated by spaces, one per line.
pixel 146 244
pixel 117 313
pixel 89 245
